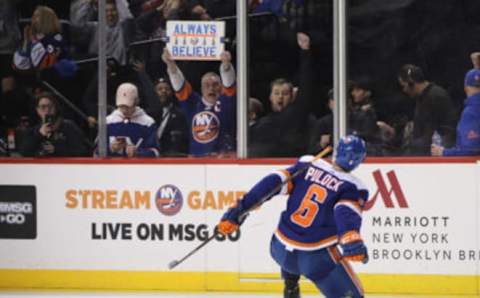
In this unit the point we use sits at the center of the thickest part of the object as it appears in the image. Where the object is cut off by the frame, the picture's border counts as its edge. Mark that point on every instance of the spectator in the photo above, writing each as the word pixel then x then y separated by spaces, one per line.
pixel 43 45
pixel 362 116
pixel 211 115
pixel 362 120
pixel 434 111
pixel 322 131
pixel 207 10
pixel 172 132
pixel 255 110
pixel 468 128
pixel 153 22
pixel 273 6
pixel 282 132
pixel 120 33
pixel 54 135
pixel 139 7
pixel 122 8
pixel 90 96
pixel 130 131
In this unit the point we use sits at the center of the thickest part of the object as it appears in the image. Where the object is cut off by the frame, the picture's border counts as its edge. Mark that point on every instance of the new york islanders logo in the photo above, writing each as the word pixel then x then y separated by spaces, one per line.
pixel 205 127
pixel 169 200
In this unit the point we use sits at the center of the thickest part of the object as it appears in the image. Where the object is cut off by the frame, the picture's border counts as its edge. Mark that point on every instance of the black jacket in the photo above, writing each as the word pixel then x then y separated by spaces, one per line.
pixel 285 133
pixel 434 110
pixel 68 141
pixel 172 131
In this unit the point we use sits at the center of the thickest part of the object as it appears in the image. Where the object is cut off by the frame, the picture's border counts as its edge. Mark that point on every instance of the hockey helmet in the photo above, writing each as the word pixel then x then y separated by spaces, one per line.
pixel 350 152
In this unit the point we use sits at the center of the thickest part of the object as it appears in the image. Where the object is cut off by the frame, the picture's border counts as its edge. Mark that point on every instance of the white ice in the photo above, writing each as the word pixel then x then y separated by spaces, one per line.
pixel 72 294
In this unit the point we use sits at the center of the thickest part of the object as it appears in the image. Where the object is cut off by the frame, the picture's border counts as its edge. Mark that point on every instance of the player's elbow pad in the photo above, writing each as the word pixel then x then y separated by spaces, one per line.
pixel 347 219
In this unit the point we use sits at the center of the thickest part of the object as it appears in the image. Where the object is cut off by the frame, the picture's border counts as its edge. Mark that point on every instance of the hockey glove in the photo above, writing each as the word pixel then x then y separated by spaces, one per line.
pixel 231 221
pixel 353 248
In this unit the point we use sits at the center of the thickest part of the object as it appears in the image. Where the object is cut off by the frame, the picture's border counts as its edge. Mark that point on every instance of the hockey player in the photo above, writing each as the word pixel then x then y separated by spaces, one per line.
pixel 324 211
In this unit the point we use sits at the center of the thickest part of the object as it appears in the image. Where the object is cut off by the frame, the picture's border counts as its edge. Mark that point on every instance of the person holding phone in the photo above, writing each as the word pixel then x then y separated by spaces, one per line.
pixel 53 136
pixel 131 132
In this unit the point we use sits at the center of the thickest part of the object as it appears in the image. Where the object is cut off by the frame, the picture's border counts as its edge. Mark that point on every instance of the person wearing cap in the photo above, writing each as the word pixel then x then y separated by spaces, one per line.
pixel 130 131
pixel 468 128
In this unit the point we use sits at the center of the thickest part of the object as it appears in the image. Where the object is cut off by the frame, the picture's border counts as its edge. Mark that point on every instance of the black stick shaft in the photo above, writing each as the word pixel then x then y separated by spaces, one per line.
pixel 205 242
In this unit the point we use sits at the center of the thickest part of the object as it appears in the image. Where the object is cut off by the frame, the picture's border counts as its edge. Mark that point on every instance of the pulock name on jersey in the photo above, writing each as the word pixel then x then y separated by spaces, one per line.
pixel 156 232
pixel 320 177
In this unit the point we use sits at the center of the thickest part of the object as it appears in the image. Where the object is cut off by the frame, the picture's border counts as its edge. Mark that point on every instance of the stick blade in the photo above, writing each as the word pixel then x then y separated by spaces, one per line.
pixel 173 264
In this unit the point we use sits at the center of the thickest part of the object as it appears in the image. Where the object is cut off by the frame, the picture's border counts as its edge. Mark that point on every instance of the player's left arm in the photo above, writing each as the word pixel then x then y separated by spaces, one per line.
pixel 348 217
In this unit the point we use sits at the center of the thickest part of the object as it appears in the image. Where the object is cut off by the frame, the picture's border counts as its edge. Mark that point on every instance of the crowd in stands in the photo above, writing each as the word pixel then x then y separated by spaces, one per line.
pixel 160 107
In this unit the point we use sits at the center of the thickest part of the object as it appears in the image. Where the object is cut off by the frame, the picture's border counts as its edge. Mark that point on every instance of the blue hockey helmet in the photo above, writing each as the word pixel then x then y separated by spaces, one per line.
pixel 350 152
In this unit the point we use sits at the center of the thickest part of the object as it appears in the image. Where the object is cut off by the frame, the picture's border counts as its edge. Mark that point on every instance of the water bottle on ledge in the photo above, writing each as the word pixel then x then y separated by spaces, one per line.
pixel 436 139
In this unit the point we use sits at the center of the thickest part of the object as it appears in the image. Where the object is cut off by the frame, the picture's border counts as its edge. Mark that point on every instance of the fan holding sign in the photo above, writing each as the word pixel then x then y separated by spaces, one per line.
pixel 211 114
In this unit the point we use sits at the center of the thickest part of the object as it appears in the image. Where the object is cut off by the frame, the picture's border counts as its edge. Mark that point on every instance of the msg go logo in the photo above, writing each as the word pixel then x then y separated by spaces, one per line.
pixel 13 218
pixel 14 212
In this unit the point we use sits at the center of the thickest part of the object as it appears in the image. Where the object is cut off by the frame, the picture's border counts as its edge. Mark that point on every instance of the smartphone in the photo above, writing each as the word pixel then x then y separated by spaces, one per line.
pixel 49 119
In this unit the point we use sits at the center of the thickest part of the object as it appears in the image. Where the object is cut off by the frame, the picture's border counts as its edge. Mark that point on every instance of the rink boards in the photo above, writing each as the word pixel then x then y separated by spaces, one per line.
pixel 116 225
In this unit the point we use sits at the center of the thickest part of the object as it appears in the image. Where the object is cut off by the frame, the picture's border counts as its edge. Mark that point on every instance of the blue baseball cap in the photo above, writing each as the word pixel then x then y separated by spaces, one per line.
pixel 472 78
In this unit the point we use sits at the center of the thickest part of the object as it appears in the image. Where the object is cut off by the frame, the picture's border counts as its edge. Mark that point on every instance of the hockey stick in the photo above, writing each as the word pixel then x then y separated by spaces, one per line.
pixel 322 154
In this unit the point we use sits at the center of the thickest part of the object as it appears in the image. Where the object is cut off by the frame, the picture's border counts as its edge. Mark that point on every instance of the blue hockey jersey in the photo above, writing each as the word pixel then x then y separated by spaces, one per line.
pixel 212 127
pixel 468 130
pixel 42 53
pixel 324 204
pixel 138 130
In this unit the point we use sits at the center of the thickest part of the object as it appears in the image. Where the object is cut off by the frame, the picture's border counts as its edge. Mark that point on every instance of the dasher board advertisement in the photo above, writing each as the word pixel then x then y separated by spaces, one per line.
pixel 18 218
pixel 420 223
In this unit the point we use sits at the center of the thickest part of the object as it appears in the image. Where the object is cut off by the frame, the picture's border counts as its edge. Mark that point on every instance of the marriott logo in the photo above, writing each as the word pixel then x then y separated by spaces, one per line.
pixel 387 194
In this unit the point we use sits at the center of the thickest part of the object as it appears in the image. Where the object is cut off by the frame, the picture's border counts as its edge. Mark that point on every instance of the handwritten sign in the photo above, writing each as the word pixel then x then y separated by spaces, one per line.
pixel 195 40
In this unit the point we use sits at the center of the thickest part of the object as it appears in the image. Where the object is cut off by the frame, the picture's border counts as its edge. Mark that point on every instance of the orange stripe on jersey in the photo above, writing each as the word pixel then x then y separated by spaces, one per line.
pixel 353 276
pixel 352 204
pixel 185 92
pixel 48 61
pixel 350 236
pixel 334 253
pixel 230 91
pixel 315 245
pixel 289 183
